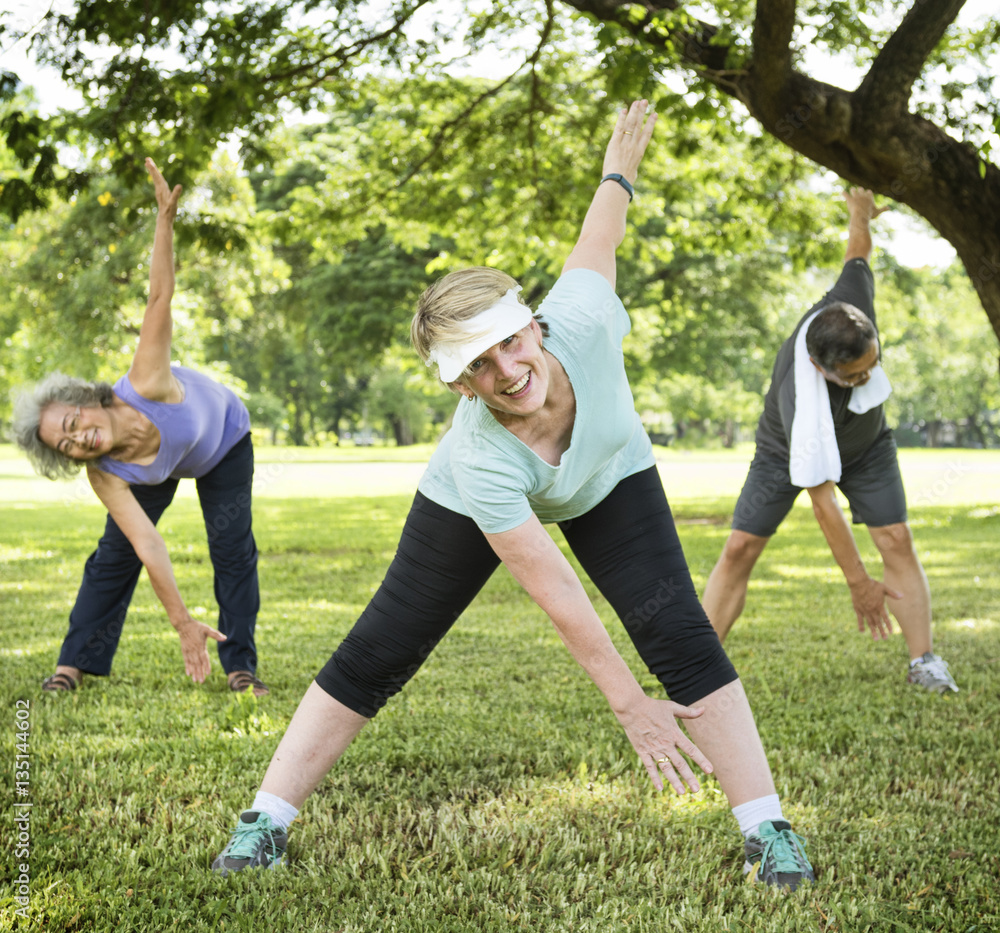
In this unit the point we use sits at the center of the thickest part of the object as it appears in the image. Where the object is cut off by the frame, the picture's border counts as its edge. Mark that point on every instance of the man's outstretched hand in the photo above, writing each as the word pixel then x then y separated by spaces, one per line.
pixel 861 204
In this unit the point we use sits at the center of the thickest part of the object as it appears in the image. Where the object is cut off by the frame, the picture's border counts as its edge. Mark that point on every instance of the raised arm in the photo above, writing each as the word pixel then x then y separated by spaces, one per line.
pixel 862 210
pixel 540 567
pixel 604 226
pixel 150 369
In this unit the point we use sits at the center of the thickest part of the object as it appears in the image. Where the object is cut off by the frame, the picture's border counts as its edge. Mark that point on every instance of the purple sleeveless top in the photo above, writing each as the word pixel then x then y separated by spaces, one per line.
pixel 194 434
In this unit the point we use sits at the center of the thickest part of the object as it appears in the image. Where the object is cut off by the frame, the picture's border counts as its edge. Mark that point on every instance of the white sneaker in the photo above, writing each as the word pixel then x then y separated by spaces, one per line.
pixel 931 672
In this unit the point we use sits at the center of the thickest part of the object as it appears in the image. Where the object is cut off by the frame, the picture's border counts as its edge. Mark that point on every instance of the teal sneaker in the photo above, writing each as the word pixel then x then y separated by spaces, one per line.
pixel 256 843
pixel 776 855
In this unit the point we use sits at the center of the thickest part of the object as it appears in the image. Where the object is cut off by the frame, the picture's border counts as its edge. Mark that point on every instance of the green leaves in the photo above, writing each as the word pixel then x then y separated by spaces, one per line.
pixel 365 156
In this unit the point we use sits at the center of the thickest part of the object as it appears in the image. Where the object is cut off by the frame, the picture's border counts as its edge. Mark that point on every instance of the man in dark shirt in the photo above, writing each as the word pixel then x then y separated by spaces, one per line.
pixel 823 426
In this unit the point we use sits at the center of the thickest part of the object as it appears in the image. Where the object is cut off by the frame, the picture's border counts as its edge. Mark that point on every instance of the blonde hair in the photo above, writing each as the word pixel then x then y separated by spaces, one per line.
pixel 451 301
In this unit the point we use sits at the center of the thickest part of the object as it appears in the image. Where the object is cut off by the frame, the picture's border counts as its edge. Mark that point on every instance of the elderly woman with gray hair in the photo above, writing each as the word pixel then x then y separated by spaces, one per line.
pixel 157 424
pixel 546 432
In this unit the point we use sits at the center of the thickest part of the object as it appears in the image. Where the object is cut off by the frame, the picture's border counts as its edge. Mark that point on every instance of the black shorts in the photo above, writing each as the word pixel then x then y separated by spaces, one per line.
pixel 627 544
pixel 872 484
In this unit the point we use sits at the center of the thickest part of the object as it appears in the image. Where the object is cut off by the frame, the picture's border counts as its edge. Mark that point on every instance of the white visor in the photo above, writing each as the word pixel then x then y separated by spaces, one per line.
pixel 486 329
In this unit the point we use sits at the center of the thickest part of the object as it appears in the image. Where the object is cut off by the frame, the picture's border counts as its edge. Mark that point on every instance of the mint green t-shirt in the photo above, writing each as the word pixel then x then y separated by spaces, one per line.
pixel 482 470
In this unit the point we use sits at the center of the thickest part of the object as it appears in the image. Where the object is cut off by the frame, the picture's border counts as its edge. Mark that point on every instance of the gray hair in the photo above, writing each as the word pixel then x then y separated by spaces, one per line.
pixel 840 333
pixel 29 407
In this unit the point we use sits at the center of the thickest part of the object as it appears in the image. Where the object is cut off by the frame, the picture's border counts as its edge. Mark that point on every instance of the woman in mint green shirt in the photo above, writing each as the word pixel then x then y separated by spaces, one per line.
pixel 546 432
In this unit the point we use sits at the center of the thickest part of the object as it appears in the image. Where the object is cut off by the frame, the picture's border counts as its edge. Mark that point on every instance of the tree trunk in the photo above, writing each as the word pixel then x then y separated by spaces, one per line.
pixel 728 433
pixel 402 432
pixel 867 136
pixel 296 431
pixel 909 160
pixel 973 429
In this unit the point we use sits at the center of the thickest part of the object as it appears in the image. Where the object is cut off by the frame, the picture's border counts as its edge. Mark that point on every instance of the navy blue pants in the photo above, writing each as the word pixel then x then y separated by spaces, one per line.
pixel 111 572
pixel 627 544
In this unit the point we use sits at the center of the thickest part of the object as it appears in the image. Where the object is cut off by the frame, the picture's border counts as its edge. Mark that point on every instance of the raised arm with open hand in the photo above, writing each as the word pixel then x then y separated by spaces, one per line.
pixel 862 210
pixel 603 228
pixel 166 197
pixel 629 139
pixel 150 369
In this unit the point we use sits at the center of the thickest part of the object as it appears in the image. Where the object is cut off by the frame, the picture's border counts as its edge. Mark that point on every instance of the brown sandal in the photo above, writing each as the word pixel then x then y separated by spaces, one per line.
pixel 241 681
pixel 59 683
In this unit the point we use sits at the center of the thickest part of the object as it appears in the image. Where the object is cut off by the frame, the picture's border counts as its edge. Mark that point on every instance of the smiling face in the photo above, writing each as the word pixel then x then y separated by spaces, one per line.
pixel 78 432
pixel 853 374
pixel 511 377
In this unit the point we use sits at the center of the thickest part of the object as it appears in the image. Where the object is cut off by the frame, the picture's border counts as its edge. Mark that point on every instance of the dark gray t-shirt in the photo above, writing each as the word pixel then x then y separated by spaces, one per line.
pixel 855 433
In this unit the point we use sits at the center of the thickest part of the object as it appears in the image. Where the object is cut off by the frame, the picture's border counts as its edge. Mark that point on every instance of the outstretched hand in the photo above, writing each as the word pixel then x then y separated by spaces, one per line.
pixel 166 198
pixel 861 204
pixel 661 745
pixel 194 637
pixel 868 597
pixel 629 140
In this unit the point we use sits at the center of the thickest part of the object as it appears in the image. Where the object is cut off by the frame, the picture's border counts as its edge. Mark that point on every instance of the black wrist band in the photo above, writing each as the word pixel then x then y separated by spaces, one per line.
pixel 621 181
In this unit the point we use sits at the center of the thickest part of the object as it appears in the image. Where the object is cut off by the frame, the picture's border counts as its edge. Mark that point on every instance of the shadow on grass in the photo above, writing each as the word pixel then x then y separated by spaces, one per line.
pixel 497 792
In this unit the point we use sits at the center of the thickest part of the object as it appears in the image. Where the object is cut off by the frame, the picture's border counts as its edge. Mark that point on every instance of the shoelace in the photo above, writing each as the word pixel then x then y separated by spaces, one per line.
pixel 937 667
pixel 244 841
pixel 787 849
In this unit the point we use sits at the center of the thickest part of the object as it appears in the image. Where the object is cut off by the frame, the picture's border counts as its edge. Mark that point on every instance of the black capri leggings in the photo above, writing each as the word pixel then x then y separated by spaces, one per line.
pixel 627 544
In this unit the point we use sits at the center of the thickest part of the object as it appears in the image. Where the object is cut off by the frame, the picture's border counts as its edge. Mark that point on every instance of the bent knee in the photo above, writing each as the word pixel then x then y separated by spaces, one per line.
pixel 742 548
pixel 893 540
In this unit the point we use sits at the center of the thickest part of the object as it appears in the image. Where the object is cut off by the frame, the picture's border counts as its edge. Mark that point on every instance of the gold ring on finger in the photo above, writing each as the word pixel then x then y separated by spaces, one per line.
pixel 660 761
pixel 627 133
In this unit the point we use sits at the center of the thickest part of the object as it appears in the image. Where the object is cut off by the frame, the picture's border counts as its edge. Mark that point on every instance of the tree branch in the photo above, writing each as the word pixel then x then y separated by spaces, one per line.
pixel 537 97
pixel 447 128
pixel 445 131
pixel 613 10
pixel 343 54
pixel 886 88
pixel 694 45
pixel 773 27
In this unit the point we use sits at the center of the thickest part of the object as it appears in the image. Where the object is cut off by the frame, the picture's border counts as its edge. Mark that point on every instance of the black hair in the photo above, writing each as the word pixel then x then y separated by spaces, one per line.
pixel 839 334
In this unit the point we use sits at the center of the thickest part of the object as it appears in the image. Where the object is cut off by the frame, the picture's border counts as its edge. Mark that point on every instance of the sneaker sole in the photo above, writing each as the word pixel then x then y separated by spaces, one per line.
pixel 937 688
pixel 223 871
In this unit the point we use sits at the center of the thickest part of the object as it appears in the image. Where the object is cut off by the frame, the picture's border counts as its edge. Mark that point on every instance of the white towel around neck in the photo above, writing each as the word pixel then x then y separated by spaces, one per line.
pixel 814 457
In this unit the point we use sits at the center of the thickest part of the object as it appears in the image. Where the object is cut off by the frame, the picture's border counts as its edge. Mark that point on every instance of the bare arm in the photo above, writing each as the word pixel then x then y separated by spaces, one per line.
pixel 539 566
pixel 862 210
pixel 867 594
pixel 603 228
pixel 150 370
pixel 151 549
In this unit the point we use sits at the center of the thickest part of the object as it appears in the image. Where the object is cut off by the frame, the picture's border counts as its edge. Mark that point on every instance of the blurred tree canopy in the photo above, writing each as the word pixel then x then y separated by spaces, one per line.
pixel 338 157
pixel 181 75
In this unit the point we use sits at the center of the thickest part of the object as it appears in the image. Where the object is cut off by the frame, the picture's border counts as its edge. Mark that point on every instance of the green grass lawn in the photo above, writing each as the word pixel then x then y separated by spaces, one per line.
pixel 497 792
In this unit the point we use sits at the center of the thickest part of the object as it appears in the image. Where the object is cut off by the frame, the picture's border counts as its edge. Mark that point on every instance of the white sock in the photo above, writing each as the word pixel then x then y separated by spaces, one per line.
pixel 281 811
pixel 751 814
